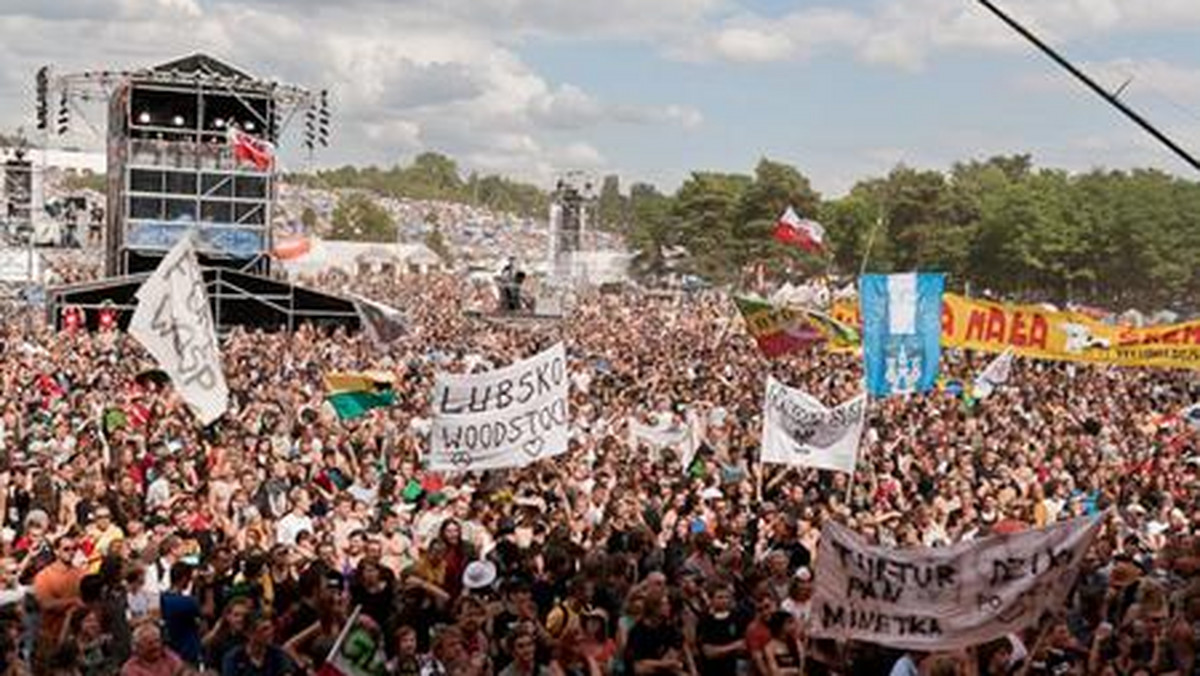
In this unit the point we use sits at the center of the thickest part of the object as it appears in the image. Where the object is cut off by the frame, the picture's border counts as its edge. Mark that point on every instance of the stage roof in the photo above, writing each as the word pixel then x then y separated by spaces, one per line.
pixel 203 64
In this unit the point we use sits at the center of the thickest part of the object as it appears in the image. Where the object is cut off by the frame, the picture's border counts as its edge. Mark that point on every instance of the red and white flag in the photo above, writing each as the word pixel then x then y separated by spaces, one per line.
pixel 795 231
pixel 247 148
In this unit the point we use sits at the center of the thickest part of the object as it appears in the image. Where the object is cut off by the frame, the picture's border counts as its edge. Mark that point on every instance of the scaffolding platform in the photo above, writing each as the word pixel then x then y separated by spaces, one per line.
pixel 237 299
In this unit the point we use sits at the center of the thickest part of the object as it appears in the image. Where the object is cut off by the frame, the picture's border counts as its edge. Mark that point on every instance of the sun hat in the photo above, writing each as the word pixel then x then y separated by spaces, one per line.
pixel 479 575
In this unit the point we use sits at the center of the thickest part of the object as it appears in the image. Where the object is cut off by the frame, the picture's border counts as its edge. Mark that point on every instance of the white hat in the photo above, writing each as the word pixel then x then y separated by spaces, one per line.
pixel 37 516
pixel 479 575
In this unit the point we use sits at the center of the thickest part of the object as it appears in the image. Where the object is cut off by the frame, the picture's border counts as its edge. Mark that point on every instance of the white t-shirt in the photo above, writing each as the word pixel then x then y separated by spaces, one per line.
pixel 159 493
pixel 801 610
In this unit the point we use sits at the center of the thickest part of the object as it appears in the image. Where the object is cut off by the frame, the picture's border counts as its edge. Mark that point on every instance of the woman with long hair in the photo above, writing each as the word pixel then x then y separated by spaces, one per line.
pixel 458 554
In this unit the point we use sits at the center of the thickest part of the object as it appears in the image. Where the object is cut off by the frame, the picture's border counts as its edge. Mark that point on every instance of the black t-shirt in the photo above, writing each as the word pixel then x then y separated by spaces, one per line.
pixel 376 605
pixel 652 643
pixel 719 632
pixel 222 646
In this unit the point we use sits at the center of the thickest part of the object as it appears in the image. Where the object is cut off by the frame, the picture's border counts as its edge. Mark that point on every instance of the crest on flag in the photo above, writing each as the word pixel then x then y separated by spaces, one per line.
pixel 801 431
pixel 902 328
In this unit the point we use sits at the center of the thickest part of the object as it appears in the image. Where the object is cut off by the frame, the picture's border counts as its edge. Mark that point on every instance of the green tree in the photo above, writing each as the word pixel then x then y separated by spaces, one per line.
pixel 776 186
pixel 357 217
pixel 650 232
pixel 433 176
pixel 705 209
pixel 610 209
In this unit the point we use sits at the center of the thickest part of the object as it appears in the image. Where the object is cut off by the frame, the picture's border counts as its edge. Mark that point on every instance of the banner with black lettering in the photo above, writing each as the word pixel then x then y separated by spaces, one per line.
pixel 949 598
pixel 799 430
pixel 175 325
pixel 508 417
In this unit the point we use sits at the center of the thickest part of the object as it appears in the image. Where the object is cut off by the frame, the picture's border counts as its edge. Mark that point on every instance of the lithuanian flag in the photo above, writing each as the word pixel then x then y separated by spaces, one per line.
pixel 353 394
pixel 779 329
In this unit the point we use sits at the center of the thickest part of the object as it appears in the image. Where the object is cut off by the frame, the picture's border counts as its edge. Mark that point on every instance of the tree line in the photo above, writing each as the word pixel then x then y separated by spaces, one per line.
pixel 1112 238
pixel 433 176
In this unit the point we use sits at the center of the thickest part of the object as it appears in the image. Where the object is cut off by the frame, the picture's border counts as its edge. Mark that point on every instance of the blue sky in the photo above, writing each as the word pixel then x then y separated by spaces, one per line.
pixel 531 88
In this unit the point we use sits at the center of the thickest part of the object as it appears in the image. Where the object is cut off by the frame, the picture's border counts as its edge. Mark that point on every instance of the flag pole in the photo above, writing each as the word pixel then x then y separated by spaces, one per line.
pixel 341 637
pixel 862 270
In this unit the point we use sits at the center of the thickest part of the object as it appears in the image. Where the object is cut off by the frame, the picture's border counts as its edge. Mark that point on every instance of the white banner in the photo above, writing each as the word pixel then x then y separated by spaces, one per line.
pixel 799 430
pixel 508 417
pixel 944 598
pixel 996 373
pixel 683 436
pixel 174 323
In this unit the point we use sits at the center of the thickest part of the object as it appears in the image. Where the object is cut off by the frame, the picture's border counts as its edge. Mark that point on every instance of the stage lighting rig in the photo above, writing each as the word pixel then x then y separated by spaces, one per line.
pixel 43 96
pixel 323 120
pixel 64 113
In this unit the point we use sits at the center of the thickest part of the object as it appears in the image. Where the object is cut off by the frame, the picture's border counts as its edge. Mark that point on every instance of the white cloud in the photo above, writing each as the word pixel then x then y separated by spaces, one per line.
pixel 405 77
pixel 904 33
pixel 750 44
pixel 1137 77
pixel 581 156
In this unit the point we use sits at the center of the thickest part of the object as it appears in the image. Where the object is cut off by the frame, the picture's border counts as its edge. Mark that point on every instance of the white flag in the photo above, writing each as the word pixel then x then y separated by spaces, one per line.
pixel 683 436
pixel 382 324
pixel 175 325
pixel 799 430
pixel 995 374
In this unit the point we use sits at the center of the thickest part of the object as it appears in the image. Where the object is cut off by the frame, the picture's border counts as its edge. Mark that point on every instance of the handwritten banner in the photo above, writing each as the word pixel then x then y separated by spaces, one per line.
pixel 947 598
pixel 507 417
pixel 174 323
pixel 1035 331
pixel 1040 333
pixel 799 430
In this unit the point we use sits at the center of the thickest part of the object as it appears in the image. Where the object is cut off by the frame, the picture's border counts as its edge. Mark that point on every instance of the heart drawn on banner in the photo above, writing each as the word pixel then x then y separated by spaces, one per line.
pixel 534 447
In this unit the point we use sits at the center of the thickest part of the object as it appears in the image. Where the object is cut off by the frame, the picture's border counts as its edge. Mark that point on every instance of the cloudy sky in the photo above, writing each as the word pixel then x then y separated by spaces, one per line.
pixel 651 89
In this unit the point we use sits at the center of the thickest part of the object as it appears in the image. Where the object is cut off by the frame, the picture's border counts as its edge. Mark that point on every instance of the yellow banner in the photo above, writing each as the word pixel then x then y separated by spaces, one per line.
pixel 1033 331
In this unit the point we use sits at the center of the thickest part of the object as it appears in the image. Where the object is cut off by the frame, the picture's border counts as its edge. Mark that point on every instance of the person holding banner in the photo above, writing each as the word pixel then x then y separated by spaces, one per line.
pixel 974 512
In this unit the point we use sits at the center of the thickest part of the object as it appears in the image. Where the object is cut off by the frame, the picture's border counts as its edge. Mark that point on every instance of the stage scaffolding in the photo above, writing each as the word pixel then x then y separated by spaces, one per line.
pixel 172 170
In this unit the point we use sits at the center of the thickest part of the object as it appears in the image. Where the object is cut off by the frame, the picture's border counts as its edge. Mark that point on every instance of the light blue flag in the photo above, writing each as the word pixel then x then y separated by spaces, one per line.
pixel 902 331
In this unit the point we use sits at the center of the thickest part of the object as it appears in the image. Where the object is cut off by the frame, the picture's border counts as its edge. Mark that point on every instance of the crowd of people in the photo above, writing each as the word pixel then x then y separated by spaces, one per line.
pixel 135 542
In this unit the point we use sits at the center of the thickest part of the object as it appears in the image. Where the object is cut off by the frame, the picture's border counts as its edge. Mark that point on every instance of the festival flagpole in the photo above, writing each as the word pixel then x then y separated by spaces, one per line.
pixel 341 637
pixel 862 270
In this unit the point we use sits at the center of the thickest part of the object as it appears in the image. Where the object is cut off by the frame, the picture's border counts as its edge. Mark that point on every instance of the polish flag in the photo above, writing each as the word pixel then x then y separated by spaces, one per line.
pixel 795 231
pixel 247 148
